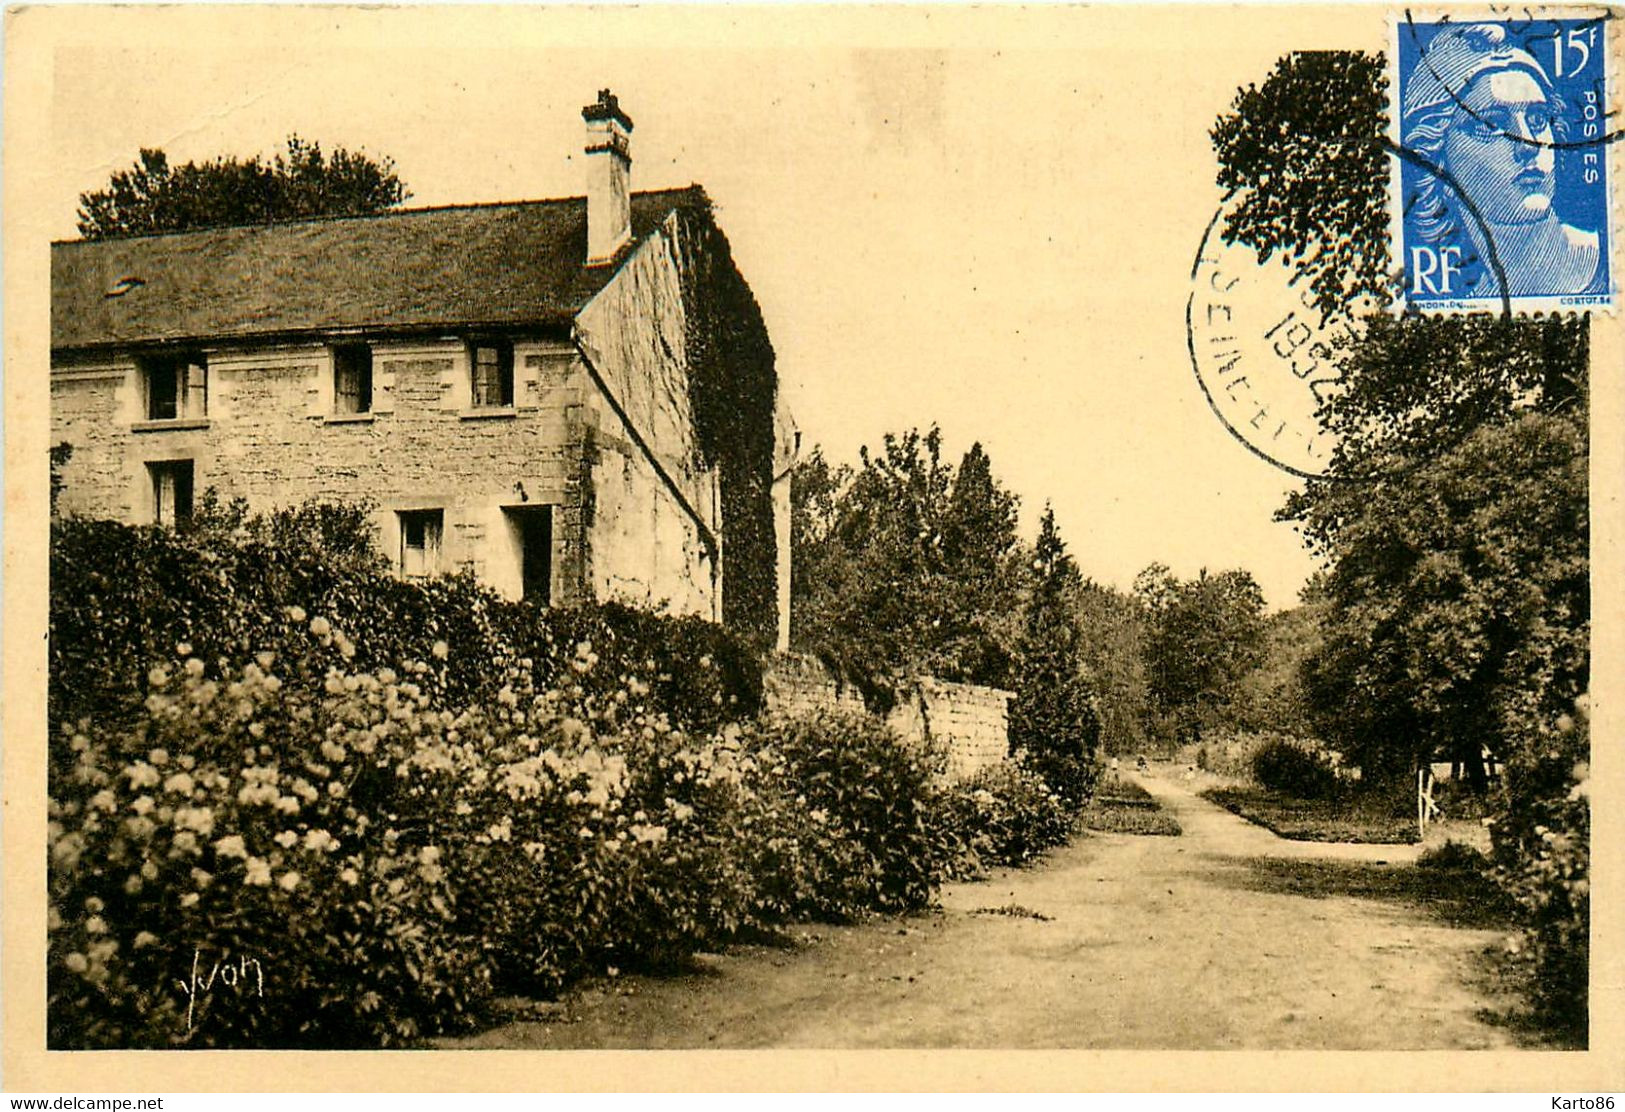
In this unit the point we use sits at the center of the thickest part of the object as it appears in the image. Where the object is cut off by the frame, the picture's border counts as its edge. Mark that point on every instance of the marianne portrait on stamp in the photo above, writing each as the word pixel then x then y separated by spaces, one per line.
pixel 1484 112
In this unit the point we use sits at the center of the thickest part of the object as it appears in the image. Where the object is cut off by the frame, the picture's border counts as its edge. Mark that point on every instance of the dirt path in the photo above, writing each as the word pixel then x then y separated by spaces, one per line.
pixel 1224 937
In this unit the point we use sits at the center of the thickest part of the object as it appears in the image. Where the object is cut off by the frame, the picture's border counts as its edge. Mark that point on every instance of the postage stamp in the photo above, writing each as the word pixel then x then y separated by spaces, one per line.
pixel 1501 195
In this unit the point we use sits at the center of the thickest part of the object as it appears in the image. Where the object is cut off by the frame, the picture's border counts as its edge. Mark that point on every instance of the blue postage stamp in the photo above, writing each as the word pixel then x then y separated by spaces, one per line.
pixel 1503 132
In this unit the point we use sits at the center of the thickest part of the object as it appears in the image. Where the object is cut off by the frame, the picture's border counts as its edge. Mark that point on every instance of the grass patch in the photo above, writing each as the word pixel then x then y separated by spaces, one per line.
pixel 1454 896
pixel 1121 806
pixel 1014 911
pixel 1353 818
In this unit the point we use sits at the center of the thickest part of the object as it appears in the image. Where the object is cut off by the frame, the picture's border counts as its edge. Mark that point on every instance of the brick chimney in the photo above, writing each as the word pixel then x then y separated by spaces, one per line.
pixel 609 176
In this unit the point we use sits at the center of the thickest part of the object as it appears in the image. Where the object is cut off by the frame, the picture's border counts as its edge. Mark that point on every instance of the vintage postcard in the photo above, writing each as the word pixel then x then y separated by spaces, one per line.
pixel 771 535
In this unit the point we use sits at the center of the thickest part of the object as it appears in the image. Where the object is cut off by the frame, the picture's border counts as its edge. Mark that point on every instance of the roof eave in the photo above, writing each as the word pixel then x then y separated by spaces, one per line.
pixel 555 325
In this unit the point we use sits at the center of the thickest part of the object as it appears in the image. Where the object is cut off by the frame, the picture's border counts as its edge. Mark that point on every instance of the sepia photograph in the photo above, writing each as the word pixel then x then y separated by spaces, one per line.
pixel 936 530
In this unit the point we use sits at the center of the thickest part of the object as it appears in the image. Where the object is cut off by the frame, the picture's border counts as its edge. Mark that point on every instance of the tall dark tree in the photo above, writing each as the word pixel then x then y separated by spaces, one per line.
pixel 1053 718
pixel 981 568
pixel 153 196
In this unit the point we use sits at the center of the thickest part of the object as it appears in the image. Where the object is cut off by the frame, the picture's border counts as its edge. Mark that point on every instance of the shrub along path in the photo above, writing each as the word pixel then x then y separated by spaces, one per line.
pixel 1226 936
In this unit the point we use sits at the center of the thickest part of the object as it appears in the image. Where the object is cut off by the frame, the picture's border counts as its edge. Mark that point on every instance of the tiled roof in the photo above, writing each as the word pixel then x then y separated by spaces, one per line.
pixel 500 264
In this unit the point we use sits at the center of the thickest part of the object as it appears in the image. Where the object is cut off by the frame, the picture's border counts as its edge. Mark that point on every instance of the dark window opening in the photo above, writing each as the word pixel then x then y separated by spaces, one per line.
pixel 352 378
pixel 171 491
pixel 420 541
pixel 493 373
pixel 175 386
pixel 532 529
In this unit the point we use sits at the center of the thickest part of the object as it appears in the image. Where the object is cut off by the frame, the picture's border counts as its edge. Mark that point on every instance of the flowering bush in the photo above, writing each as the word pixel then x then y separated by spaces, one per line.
pixel 257 823
pixel 1003 815
pixel 847 822
pixel 299 830
pixel 299 852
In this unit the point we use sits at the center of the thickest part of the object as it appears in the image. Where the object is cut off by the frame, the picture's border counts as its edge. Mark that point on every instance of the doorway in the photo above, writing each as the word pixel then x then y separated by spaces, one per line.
pixel 532 530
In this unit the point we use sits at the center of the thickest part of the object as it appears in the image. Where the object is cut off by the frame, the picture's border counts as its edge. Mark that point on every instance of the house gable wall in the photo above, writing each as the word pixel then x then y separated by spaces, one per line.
pixel 654 506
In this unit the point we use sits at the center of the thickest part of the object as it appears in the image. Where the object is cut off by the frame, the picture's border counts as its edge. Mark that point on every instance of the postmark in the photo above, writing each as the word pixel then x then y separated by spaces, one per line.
pixel 1501 200
pixel 1265 355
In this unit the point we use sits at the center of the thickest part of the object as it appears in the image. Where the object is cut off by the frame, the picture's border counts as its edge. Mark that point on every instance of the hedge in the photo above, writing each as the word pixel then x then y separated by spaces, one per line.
pixel 296 802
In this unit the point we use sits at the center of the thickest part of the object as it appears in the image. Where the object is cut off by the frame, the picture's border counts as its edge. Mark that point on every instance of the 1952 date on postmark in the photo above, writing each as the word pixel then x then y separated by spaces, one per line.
pixel 1500 199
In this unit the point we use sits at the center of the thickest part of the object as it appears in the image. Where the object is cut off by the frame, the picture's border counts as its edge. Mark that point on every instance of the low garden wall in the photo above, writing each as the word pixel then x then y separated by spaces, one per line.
pixel 971 722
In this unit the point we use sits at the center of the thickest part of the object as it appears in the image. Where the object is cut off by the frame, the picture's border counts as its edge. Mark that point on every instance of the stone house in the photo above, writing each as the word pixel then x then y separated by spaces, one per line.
pixel 574 399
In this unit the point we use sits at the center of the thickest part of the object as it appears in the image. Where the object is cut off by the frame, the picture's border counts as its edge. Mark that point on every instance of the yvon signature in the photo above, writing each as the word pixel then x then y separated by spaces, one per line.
pixel 243 976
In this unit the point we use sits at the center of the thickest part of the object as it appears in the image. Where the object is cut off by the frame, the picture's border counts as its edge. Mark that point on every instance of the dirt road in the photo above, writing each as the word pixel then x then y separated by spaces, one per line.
pixel 1224 937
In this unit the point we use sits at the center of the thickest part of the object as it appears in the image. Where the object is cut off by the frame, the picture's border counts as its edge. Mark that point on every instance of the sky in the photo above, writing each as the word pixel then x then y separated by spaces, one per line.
pixel 981 219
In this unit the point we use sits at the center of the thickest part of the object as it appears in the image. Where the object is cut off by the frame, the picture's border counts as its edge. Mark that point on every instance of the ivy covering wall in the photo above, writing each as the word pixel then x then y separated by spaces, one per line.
pixel 734 390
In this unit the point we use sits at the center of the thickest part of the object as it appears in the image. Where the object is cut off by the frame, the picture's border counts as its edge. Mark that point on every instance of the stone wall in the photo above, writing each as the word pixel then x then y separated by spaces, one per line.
pixel 654 505
pixel 271 436
pixel 796 684
pixel 970 722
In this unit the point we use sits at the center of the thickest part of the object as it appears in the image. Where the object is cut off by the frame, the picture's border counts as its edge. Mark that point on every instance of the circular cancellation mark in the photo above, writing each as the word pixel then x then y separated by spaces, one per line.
pixel 1263 354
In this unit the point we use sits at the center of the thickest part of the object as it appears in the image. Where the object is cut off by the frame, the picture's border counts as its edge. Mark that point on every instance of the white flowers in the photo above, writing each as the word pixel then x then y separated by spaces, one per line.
pixel 231 846
pixel 198 819
pixel 320 841
pixel 181 784
pixel 649 835
pixel 257 873
pixel 287 839
pixel 142 774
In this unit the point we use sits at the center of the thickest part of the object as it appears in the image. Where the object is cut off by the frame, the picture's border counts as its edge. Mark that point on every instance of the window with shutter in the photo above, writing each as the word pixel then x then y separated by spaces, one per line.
pixel 171 491
pixel 493 374
pixel 174 387
pixel 352 378
pixel 420 541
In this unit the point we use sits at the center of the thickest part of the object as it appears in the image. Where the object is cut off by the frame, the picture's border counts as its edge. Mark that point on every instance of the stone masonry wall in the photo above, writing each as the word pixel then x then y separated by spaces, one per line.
pixel 646 539
pixel 970 722
pixel 793 684
pixel 272 437
pixel 973 722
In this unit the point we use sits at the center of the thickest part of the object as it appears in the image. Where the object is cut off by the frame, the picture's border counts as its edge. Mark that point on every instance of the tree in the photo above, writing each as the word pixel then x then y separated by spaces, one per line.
pixel 1415 393
pixel 1202 636
pixel 1306 155
pixel 1053 718
pixel 981 568
pixel 153 196
pixel 1272 696
pixel 1113 625
pixel 1460 601
pixel 904 566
